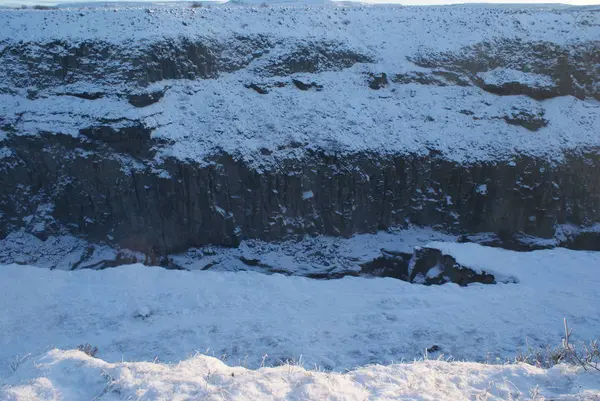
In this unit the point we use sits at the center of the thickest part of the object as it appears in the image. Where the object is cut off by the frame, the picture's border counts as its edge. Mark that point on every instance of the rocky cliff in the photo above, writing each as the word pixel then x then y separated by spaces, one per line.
pixel 162 129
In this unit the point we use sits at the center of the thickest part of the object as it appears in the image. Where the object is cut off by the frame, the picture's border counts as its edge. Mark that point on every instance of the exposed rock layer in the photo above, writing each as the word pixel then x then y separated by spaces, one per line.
pixel 91 192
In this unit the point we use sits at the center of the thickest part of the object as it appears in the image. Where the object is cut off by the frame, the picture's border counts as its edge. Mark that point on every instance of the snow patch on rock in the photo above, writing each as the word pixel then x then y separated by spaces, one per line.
pixel 502 76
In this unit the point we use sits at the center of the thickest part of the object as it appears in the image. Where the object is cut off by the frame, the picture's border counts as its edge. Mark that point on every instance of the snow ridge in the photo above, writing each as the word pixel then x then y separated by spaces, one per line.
pixel 75 376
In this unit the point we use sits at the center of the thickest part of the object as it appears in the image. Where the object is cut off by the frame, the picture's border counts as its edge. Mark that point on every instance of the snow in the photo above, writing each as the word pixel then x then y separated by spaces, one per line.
pixel 502 76
pixel 160 332
pixel 63 252
pixel 5 152
pixel 311 255
pixel 307 195
pixel 202 117
pixel 343 118
pixel 308 256
pixel 74 376
pixel 125 3
pixel 439 27
pixel 139 313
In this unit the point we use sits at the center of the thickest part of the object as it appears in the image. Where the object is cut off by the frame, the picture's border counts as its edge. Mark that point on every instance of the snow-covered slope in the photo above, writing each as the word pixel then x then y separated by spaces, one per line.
pixel 305 21
pixel 335 47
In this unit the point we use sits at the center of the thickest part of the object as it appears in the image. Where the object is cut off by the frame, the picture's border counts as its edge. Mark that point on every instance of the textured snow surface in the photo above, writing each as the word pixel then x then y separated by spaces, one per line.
pixel 139 313
pixel 62 252
pixel 202 118
pixel 199 118
pixel 311 255
pixel 439 28
pixel 74 376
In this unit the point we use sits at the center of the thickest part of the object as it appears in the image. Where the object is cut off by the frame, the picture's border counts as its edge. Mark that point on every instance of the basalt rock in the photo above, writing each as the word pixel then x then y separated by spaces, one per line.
pixel 59 62
pixel 314 57
pixel 257 88
pixel 394 265
pixel 378 81
pixel 105 186
pixel 145 99
pixel 428 266
pixel 526 119
pixel 304 86
pixel 573 70
pixel 432 266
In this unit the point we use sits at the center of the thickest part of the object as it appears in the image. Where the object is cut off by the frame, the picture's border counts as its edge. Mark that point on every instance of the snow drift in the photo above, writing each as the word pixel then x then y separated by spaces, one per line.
pixel 74 376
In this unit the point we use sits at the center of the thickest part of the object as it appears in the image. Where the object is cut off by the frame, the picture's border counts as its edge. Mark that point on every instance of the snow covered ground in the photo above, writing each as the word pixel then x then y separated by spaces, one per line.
pixel 74 376
pixel 113 3
pixel 436 28
pixel 139 313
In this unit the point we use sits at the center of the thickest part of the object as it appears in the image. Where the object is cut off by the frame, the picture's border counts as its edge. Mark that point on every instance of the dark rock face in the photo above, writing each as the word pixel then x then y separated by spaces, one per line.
pixel 98 61
pixel 378 81
pixel 428 266
pixel 257 89
pixel 133 140
pixel 204 58
pixel 304 86
pixel 573 69
pixel 438 78
pixel 431 266
pixel 589 240
pixel 394 265
pixel 87 95
pixel 312 57
pixel 145 99
pixel 517 88
pixel 104 186
pixel 526 119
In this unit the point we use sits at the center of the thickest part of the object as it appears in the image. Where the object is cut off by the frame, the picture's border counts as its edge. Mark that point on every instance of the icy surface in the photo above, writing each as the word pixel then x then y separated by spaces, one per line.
pixel 74 376
pixel 139 313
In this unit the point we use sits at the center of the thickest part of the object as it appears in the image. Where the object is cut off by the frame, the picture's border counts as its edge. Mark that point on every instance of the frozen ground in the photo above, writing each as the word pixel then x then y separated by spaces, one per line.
pixel 139 313
pixel 74 376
